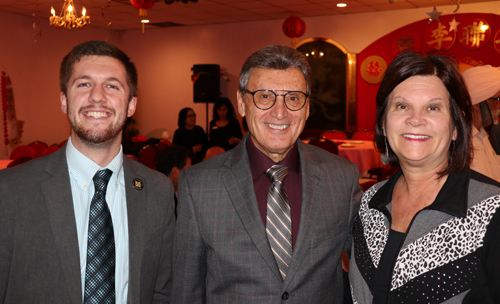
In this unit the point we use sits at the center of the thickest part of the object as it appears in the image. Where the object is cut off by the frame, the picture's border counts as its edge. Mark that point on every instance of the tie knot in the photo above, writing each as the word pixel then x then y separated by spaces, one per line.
pixel 277 173
pixel 101 179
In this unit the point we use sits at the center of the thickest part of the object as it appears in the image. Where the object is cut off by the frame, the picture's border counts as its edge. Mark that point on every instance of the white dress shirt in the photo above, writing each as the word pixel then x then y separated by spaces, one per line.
pixel 81 171
pixel 485 160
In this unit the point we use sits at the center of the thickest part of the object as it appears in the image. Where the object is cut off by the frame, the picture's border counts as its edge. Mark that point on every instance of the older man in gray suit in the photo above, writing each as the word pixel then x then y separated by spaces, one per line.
pixel 87 224
pixel 267 221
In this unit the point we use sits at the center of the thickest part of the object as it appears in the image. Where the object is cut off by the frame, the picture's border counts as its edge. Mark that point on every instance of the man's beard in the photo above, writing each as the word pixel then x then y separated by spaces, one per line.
pixel 98 138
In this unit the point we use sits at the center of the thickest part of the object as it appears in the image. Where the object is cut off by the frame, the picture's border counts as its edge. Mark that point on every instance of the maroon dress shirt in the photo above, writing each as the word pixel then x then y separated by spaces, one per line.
pixel 259 163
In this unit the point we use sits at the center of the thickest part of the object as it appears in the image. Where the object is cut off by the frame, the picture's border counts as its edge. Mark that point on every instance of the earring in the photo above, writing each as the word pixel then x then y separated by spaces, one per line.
pixel 385 157
pixel 452 150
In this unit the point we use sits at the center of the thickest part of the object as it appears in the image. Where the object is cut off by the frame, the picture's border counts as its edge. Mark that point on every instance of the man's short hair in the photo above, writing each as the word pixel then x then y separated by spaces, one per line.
pixel 170 157
pixel 275 57
pixel 97 48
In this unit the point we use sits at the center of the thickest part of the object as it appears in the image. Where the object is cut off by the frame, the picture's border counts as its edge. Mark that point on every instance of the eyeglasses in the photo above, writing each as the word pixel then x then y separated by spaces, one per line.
pixel 191 115
pixel 495 98
pixel 265 99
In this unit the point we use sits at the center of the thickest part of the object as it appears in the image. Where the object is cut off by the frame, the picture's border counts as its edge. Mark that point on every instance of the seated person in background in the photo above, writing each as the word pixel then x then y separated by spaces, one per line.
pixel 483 83
pixel 171 161
pixel 190 135
pixel 225 130
pixel 429 233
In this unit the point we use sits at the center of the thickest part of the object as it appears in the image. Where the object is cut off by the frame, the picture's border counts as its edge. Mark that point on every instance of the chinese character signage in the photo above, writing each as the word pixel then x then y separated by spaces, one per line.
pixel 405 42
pixel 474 33
pixel 496 41
pixel 373 69
pixel 438 37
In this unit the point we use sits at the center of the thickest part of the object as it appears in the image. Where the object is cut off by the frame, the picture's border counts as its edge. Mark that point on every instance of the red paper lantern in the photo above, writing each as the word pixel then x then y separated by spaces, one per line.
pixel 142 4
pixel 294 27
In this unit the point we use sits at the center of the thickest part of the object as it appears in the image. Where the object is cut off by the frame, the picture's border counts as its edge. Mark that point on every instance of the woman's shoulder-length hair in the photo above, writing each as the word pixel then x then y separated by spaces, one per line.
pixel 445 68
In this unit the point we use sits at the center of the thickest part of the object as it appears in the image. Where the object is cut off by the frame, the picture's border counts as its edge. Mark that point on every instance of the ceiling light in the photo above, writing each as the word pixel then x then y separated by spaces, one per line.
pixel 67 17
pixel 341 5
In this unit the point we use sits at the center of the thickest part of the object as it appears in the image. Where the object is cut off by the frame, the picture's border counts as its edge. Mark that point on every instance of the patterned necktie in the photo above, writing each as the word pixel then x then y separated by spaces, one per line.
pixel 278 220
pixel 100 270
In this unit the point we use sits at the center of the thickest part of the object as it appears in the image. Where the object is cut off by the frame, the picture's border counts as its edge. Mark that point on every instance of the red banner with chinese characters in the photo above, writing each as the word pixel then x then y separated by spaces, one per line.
pixel 471 38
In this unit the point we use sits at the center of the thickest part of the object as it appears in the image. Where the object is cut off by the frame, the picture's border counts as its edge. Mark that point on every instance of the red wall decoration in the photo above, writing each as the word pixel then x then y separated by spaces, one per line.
pixel 472 39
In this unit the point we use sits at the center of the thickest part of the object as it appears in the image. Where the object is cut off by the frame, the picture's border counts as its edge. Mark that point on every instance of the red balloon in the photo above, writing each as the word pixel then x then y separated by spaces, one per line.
pixel 144 4
pixel 294 27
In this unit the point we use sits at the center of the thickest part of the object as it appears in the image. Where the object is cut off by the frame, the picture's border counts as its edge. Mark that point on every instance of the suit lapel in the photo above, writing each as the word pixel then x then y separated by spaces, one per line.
pixel 239 184
pixel 136 225
pixel 59 200
pixel 312 174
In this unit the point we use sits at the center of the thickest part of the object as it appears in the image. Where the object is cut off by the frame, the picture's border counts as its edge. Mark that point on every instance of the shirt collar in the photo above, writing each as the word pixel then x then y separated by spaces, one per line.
pixel 480 134
pixel 451 199
pixel 84 169
pixel 259 162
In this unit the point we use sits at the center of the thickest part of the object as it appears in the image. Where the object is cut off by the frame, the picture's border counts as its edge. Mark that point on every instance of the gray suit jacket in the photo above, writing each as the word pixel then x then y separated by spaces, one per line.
pixel 221 251
pixel 39 257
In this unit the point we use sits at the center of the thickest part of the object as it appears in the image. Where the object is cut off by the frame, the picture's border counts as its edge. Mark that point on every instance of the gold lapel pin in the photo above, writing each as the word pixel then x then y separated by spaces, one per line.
pixel 138 184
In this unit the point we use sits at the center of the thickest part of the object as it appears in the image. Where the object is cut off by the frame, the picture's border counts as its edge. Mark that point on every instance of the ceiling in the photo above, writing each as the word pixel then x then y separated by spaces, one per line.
pixel 121 15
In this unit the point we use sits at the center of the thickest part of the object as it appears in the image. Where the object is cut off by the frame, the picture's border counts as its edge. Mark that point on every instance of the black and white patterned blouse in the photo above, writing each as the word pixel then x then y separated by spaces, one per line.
pixel 450 252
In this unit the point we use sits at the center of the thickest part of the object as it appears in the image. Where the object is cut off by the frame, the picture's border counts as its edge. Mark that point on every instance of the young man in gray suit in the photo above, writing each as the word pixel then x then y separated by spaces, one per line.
pixel 87 224
pixel 267 221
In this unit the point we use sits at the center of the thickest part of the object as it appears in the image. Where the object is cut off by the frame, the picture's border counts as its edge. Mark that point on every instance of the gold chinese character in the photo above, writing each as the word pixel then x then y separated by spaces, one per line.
pixel 474 34
pixel 440 34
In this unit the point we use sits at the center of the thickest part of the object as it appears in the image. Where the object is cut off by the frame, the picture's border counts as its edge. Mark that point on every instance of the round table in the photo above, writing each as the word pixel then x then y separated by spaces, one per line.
pixel 360 152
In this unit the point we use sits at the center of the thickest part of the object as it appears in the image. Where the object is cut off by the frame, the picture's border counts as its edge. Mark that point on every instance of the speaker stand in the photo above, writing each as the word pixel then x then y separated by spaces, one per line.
pixel 207 122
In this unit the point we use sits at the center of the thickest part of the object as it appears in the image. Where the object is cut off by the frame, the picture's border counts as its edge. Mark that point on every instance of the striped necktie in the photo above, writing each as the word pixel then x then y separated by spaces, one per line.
pixel 278 219
pixel 100 270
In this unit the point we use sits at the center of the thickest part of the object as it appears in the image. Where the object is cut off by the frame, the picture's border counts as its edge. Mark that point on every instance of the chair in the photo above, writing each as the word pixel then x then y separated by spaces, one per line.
pixel 162 144
pixel 50 150
pixel 213 151
pixel 325 144
pixel 21 151
pixel 132 157
pixel 334 134
pixel 364 135
pixel 18 161
pixel 147 156
pixel 39 147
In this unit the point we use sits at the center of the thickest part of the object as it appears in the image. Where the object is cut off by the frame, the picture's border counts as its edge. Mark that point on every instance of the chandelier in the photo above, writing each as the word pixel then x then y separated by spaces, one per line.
pixel 67 17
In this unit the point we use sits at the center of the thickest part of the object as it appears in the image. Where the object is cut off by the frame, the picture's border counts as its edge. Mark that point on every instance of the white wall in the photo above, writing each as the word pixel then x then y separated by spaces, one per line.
pixel 33 68
pixel 164 58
